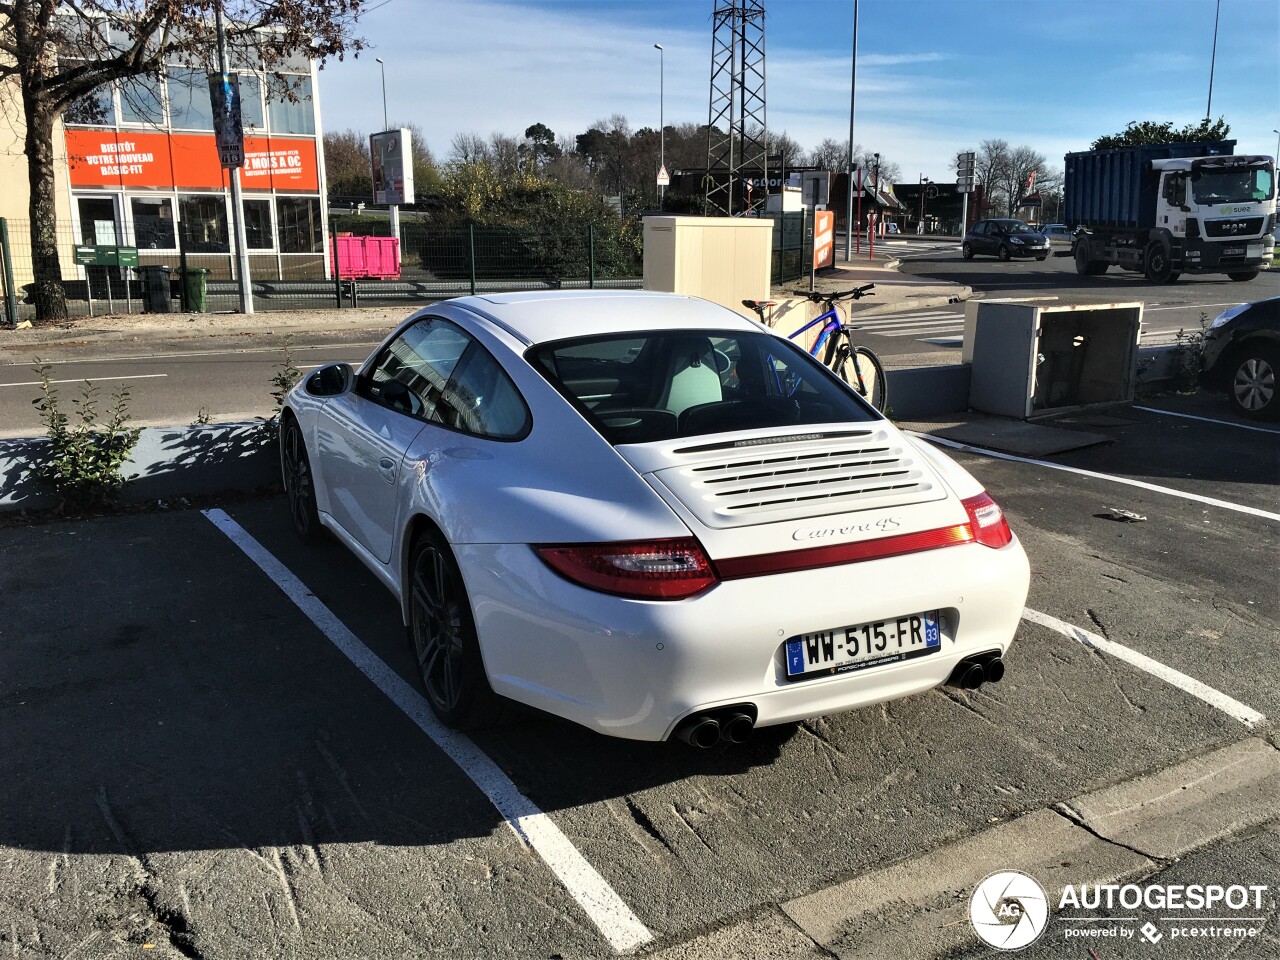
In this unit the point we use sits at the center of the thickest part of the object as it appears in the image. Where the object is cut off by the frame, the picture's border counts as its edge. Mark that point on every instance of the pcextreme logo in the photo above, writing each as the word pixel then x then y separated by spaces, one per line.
pixel 1009 910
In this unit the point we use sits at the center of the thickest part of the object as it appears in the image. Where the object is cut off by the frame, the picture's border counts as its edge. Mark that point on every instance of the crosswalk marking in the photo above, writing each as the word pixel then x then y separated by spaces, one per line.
pixel 924 325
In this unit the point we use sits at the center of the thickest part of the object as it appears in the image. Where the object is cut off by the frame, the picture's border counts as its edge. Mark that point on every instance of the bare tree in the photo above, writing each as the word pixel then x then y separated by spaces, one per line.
pixel 468 148
pixel 832 155
pixel 60 52
pixel 504 155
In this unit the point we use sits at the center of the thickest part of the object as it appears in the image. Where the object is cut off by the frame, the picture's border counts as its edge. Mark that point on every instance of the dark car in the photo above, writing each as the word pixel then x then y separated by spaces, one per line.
pixel 1005 239
pixel 1241 355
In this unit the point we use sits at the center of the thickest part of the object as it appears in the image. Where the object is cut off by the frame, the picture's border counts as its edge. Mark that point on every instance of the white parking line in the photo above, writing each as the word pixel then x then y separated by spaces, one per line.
pixel 1142 484
pixel 1221 423
pixel 134 376
pixel 612 917
pixel 1215 698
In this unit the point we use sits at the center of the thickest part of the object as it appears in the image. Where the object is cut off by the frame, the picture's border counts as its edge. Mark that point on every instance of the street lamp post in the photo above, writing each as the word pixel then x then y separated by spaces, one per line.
pixel 662 124
pixel 849 225
pixel 1277 156
pixel 383 67
pixel 394 209
pixel 925 183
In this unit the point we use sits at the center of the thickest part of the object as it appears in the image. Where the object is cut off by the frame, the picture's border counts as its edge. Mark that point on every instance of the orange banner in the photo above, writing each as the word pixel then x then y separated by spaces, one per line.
pixel 107 159
pixel 824 239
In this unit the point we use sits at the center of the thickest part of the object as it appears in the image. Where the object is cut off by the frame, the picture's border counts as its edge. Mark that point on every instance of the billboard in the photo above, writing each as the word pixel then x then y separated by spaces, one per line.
pixel 391 157
pixel 824 239
pixel 107 159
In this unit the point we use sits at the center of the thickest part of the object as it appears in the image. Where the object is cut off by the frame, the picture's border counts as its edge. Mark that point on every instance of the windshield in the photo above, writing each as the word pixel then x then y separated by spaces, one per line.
pixel 1016 226
pixel 1232 186
pixel 642 387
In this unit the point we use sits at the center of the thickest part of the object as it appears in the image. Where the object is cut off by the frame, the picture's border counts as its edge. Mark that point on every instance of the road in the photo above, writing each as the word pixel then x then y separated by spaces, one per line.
pixel 220 756
pixel 1169 308
pixel 229 378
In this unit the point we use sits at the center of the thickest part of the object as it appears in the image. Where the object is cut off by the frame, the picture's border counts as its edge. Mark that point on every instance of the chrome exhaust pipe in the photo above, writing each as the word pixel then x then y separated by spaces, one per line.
pixel 700 731
pixel 737 727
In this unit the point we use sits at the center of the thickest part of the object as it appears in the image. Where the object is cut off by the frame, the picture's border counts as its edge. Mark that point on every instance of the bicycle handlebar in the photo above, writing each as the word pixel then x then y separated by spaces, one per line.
pixel 857 293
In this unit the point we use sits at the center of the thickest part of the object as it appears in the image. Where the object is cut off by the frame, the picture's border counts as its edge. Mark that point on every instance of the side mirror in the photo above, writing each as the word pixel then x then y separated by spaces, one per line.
pixel 330 381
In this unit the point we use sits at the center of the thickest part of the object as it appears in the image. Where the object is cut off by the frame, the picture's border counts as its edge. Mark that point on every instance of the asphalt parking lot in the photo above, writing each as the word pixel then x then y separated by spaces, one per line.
pixel 197 762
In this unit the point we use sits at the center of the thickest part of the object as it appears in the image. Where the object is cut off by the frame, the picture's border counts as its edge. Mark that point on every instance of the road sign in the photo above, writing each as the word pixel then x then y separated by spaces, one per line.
pixel 664 178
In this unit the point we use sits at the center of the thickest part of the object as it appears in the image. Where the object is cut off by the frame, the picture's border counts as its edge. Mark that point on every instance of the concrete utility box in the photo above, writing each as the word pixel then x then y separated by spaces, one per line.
pixel 722 259
pixel 1031 360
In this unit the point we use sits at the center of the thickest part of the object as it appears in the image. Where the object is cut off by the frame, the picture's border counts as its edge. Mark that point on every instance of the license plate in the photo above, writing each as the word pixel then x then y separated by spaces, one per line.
pixel 863 645
pixel 1233 251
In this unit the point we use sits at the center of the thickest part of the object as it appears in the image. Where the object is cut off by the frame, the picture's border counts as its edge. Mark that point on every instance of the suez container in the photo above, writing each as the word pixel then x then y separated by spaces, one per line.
pixel 361 258
pixel 1172 208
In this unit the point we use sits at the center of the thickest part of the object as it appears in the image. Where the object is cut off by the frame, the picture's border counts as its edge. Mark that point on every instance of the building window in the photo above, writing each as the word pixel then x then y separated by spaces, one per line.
pixel 189 106
pixel 299 117
pixel 96 108
pixel 140 101
pixel 251 103
pixel 257 224
pixel 153 223
pixel 203 220
pixel 299 223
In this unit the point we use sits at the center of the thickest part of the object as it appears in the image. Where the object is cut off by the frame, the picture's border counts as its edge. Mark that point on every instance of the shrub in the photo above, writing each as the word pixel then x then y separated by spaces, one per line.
pixel 84 458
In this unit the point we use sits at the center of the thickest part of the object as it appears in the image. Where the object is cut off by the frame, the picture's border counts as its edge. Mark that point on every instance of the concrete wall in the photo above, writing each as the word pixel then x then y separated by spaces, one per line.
pixel 722 259
pixel 15 194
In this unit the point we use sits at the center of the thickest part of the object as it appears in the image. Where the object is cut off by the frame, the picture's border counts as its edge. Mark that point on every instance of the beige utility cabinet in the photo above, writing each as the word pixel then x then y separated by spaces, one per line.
pixel 1034 359
pixel 722 259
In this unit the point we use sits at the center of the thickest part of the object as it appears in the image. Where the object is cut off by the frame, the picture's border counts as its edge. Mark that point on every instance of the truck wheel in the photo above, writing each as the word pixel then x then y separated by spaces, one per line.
pixel 1003 253
pixel 1252 387
pixel 1082 257
pixel 1243 275
pixel 1160 264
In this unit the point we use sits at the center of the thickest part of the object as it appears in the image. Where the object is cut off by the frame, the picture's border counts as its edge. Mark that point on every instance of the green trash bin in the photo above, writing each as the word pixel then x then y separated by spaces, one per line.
pixel 195 288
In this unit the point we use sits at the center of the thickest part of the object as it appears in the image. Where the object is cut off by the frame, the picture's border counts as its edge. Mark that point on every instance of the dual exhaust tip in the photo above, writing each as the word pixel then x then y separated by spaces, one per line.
pixel 975 670
pixel 725 725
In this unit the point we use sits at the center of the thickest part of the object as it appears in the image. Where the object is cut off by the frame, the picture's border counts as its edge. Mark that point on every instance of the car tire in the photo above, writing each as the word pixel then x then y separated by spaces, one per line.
pixel 1042 256
pixel 1003 253
pixel 298 479
pixel 1252 385
pixel 442 633
pixel 1243 275
pixel 966 251
pixel 1160 264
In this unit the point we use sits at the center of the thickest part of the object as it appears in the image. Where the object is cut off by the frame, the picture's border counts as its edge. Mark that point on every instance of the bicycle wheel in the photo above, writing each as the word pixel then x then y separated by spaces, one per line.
pixel 863 371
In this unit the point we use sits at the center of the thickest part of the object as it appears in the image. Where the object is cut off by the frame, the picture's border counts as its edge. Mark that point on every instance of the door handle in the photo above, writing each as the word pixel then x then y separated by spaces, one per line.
pixel 387 467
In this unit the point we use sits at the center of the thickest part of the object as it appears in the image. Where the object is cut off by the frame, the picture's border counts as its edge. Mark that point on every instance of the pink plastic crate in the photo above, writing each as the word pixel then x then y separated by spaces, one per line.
pixel 368 257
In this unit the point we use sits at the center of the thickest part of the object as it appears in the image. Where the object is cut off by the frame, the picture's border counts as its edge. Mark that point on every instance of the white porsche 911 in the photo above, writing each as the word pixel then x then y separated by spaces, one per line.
pixel 649 515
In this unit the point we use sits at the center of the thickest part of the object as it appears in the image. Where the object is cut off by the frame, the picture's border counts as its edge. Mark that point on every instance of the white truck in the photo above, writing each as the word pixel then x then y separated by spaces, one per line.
pixel 1168 209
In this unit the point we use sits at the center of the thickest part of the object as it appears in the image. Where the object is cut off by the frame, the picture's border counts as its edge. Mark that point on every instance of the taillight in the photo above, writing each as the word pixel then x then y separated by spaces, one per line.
pixel 987 520
pixel 639 569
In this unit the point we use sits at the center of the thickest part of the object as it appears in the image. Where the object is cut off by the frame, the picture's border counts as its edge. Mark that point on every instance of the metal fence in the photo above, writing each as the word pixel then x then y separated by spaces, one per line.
pixel 433 263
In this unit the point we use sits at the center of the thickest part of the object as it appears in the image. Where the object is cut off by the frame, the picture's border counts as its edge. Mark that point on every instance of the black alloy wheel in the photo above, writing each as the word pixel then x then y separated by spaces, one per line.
pixel 299 482
pixel 1003 253
pixel 442 631
pixel 966 250
pixel 1252 389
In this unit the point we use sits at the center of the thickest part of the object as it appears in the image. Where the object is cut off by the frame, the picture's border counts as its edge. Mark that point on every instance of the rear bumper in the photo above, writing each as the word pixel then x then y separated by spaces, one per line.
pixel 634 669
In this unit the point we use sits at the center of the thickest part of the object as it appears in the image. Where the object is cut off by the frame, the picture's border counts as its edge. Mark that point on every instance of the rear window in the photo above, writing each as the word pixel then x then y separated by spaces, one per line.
pixel 638 388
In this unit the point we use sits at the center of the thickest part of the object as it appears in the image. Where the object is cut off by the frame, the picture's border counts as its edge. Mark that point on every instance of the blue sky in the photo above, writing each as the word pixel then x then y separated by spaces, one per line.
pixel 934 76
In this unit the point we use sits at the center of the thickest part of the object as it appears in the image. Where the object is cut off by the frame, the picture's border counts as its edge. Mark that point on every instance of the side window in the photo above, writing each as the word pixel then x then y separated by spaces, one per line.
pixel 410 374
pixel 980 228
pixel 1175 189
pixel 481 399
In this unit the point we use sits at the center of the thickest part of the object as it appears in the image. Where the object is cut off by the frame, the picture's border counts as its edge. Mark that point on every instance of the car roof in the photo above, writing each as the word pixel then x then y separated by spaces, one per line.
pixel 546 315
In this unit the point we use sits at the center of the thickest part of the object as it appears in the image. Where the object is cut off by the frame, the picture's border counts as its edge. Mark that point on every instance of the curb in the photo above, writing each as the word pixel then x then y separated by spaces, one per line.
pixel 919 907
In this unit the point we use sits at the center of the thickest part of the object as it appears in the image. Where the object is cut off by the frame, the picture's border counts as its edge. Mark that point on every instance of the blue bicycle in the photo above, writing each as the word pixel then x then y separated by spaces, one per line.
pixel 856 365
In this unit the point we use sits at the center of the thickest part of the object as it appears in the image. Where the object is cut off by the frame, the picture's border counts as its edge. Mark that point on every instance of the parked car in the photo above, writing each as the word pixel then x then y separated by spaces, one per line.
pixel 647 514
pixel 1056 233
pixel 1241 355
pixel 892 228
pixel 1005 239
